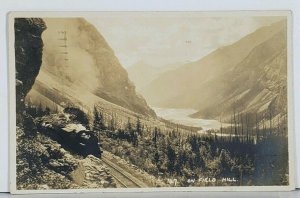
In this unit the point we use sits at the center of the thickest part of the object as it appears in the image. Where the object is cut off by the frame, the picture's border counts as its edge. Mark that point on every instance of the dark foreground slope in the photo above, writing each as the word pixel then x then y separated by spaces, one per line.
pixel 41 162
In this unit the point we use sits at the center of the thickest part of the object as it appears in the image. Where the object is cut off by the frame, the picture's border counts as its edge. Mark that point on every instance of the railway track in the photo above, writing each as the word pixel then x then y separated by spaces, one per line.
pixel 125 179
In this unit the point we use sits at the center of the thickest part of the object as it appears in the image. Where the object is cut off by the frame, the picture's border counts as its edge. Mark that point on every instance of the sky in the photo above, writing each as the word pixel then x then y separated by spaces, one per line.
pixel 163 39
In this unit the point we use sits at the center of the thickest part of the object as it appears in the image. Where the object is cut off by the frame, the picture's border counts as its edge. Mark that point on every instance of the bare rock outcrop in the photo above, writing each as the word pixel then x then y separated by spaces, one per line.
pixel 28 55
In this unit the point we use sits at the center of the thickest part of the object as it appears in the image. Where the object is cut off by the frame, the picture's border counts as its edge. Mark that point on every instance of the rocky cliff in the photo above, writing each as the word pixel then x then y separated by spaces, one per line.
pixel 28 55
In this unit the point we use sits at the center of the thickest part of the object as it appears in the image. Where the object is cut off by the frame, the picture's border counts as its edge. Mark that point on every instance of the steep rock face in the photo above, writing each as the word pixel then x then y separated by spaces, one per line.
pixel 28 54
pixel 78 57
pixel 249 74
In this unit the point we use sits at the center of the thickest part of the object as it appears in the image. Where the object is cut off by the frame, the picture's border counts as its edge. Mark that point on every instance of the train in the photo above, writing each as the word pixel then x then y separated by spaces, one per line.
pixel 73 137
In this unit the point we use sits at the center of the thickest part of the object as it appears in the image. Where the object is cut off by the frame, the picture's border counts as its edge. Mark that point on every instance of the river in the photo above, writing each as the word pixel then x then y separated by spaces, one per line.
pixel 181 116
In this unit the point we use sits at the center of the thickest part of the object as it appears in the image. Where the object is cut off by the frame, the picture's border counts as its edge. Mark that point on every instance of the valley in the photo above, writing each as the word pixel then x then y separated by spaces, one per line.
pixel 146 126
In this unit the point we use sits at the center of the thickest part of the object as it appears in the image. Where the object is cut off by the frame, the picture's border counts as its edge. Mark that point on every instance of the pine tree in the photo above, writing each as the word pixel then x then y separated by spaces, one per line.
pixel 171 158
pixel 156 159
pixel 128 125
pixel 112 123
pixel 155 134
pixel 132 134
pixel 138 127
pixel 180 162
pixel 101 121
pixel 98 121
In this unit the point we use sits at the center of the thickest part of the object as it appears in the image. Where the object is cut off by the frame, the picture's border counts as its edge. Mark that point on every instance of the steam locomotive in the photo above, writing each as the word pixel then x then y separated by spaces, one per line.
pixel 74 137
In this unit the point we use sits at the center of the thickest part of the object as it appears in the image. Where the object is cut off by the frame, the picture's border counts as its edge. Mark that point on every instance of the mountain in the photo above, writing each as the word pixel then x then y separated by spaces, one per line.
pixel 80 68
pixel 143 74
pixel 249 75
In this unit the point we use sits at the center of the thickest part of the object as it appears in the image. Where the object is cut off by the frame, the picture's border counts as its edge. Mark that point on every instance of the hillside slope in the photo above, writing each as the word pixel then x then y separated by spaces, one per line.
pixel 249 74
pixel 257 84
pixel 80 68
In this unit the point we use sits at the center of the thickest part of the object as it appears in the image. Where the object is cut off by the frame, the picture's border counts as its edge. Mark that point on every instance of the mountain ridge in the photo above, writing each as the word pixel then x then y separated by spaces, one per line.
pixel 187 87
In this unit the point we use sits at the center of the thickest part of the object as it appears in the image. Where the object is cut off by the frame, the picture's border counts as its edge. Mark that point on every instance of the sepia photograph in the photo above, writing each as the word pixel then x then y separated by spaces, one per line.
pixel 150 100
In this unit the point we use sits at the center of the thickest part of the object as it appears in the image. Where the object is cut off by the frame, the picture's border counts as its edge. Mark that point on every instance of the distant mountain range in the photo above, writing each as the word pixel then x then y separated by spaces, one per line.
pixel 248 76
pixel 142 74
pixel 80 68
